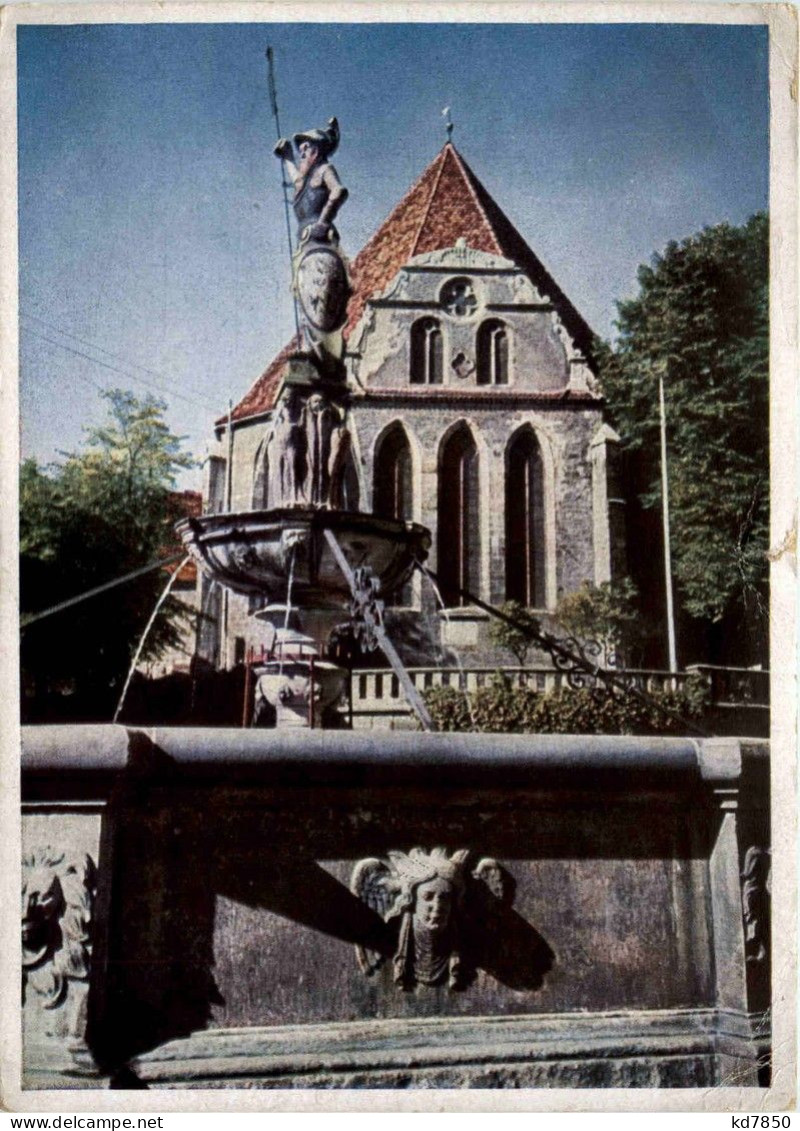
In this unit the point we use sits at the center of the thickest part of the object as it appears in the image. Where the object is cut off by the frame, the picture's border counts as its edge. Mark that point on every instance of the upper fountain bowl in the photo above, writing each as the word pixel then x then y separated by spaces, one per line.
pixel 251 552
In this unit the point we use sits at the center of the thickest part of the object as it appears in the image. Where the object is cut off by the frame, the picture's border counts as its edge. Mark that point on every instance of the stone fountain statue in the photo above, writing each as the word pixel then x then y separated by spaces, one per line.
pixel 319 271
pixel 306 448
pixel 304 553
pixel 309 440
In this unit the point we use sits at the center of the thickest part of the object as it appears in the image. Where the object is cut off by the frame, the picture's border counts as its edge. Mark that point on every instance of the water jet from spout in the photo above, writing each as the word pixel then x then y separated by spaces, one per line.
pixel 143 638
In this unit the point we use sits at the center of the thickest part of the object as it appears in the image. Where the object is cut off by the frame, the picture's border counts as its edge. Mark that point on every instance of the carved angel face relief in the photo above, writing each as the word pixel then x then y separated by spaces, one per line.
pixel 433 904
pixel 437 903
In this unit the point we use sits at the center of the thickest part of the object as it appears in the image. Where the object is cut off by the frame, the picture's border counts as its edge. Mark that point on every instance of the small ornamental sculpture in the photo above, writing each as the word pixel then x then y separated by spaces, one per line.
pixel 433 896
pixel 756 890
pixel 56 912
pixel 306 450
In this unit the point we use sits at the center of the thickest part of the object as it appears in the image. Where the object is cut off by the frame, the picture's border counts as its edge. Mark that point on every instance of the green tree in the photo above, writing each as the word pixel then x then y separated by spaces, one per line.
pixel 516 638
pixel 103 512
pixel 606 613
pixel 700 322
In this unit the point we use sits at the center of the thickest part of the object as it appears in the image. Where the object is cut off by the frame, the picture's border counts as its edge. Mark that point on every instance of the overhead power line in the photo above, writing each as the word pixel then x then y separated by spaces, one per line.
pixel 110 353
pixel 81 376
pixel 206 405
pixel 99 589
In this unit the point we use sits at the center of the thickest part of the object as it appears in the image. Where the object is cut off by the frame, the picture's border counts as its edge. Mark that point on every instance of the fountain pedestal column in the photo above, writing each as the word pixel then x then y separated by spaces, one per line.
pixel 298 686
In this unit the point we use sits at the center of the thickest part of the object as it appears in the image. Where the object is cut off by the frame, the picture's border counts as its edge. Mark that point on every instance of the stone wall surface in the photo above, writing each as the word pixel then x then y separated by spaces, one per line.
pixel 592 947
pixel 614 889
pixel 565 436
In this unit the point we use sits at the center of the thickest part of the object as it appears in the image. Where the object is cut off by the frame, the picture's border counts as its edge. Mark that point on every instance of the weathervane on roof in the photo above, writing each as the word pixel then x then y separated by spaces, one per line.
pixel 448 123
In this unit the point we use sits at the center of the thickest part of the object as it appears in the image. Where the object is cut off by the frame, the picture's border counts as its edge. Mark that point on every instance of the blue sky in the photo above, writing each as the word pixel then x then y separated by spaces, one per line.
pixel 152 234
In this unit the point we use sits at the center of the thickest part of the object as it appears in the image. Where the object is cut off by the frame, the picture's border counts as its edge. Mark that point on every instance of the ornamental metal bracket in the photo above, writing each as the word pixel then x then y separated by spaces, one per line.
pixel 367 613
pixel 366 608
pixel 578 661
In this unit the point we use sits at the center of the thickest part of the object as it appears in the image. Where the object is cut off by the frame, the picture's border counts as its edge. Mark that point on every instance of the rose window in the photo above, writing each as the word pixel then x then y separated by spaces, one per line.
pixel 458 298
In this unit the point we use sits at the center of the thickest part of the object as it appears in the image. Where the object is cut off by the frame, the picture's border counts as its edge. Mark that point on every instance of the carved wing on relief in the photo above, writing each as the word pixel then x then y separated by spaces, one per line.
pixel 373 884
pixel 488 901
pixel 496 878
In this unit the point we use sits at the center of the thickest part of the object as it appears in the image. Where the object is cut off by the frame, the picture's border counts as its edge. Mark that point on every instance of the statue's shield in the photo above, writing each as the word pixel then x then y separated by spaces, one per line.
pixel 323 289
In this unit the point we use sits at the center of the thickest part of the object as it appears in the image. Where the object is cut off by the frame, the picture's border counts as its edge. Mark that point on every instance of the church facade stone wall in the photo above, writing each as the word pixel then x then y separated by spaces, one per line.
pixel 475 412
pixel 538 386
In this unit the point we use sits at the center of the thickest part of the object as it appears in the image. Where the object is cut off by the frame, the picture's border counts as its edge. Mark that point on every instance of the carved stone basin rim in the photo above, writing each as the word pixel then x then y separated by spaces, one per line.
pixel 253 552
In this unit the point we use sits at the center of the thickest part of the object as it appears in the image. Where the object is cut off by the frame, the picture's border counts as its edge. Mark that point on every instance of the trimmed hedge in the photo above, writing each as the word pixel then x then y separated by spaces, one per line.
pixel 503 709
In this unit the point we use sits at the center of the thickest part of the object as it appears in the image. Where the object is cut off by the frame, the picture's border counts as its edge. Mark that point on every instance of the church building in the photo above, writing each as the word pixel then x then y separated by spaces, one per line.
pixel 476 412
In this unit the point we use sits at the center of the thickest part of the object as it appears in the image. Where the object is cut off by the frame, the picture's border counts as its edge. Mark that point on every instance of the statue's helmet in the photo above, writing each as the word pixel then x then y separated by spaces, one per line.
pixel 326 139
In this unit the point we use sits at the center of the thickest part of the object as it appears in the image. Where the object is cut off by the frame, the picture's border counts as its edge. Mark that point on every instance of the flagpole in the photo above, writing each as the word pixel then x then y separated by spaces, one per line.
pixel 226 598
pixel 673 661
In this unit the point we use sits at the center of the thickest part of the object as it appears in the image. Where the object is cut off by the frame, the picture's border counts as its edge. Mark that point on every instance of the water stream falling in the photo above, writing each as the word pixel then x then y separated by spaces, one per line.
pixel 462 679
pixel 143 638
pixel 287 614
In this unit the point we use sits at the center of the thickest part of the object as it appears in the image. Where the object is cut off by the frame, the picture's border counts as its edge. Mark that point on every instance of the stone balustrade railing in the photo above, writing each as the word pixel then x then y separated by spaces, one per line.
pixel 735 686
pixel 376 693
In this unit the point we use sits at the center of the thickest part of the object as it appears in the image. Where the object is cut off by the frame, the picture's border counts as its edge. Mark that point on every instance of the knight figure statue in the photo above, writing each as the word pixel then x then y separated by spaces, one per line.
pixel 304 456
pixel 319 270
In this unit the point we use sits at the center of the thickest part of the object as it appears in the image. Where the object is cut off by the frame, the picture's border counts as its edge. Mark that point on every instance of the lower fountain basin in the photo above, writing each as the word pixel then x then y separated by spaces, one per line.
pixel 251 552
pixel 289 686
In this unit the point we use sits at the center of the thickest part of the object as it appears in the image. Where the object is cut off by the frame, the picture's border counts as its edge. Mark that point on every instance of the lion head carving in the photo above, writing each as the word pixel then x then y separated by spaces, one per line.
pixel 56 918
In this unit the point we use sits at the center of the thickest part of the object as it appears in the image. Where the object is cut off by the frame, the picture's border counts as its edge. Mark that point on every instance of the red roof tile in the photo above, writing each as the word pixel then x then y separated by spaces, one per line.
pixel 261 394
pixel 446 204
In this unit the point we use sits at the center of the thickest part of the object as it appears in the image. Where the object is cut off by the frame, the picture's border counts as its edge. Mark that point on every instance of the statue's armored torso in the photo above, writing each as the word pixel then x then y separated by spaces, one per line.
pixel 311 197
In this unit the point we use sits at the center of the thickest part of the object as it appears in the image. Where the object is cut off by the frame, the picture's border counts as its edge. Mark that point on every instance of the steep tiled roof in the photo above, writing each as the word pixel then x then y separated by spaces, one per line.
pixel 446 204
pixel 261 394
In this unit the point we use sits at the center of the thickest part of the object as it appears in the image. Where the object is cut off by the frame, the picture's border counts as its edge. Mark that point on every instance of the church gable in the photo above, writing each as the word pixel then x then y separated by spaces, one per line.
pixel 464 319
pixel 446 208
pixel 475 414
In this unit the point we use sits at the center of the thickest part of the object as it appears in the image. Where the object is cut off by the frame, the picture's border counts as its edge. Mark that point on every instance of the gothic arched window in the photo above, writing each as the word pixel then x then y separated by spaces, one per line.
pixel 350 494
pixel 458 525
pixel 525 527
pixel 492 350
pixel 392 488
pixel 426 352
pixel 261 478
